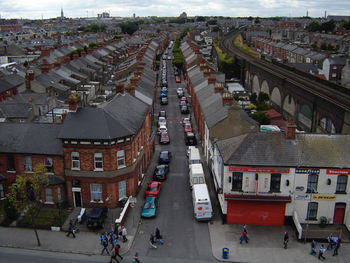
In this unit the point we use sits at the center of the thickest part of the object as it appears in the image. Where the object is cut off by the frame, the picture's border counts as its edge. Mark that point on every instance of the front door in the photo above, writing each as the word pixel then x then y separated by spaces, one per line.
pixel 339 212
pixel 77 199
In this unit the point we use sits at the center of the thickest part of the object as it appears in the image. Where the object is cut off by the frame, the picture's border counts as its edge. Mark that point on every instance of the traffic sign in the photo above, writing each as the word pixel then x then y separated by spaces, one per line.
pixel 132 205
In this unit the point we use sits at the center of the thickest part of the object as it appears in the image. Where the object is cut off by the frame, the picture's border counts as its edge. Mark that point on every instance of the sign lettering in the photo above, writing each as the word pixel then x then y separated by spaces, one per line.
pixel 319 197
pixel 258 170
pixel 338 171
pixel 307 171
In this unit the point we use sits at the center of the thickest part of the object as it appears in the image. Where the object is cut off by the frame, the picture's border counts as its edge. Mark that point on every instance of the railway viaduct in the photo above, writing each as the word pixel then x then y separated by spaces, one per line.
pixel 314 104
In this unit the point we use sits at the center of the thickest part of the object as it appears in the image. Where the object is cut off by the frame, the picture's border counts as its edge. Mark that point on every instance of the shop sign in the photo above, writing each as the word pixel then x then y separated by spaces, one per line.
pixel 320 197
pixel 338 171
pixel 258 170
pixel 302 197
pixel 307 171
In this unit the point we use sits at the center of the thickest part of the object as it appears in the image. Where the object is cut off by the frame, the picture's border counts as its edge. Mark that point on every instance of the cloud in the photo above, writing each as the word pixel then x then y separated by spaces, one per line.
pixel 126 8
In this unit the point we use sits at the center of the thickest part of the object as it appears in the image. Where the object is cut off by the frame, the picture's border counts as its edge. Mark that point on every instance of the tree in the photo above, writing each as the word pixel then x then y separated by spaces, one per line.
pixel 129 27
pixel 253 98
pixel 26 192
pixel 313 26
pixel 215 29
pixel 200 19
pixel 261 117
pixel 263 97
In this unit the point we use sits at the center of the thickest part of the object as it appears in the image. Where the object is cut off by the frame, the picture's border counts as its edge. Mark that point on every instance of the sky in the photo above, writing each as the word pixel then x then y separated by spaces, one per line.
pixel 37 9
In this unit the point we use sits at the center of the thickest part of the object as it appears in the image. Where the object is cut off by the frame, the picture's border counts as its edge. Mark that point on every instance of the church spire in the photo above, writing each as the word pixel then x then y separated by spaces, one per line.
pixel 62 16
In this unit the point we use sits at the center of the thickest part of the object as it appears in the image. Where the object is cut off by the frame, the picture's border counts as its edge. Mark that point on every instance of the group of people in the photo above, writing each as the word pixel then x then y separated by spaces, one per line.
pixel 333 242
pixel 112 238
pixel 156 237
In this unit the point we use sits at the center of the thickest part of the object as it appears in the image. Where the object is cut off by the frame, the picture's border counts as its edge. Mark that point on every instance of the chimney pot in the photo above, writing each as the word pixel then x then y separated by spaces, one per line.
pixel 290 130
pixel 227 98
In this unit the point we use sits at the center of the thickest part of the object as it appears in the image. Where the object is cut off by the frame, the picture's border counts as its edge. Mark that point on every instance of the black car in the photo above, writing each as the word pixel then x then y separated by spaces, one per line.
pixel 96 217
pixel 164 157
pixel 160 172
pixel 190 138
pixel 184 110
pixel 164 101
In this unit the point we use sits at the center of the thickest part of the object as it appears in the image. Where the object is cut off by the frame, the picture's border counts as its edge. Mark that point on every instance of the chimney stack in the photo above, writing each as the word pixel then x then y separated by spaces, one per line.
pixel 290 130
pixel 227 98
pixel 120 88
pixel 134 81
pixel 130 89
pixel 73 102
pixel 219 88
pixel 211 79
pixel 28 78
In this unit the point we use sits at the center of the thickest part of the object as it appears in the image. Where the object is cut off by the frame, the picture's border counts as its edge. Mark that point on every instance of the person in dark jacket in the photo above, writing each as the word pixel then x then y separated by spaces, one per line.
pixel 285 240
pixel 70 229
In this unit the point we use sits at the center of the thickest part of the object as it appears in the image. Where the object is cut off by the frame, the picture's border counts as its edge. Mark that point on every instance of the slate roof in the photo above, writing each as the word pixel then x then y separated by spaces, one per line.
pixel 273 149
pixel 122 116
pixel 31 138
pixel 15 110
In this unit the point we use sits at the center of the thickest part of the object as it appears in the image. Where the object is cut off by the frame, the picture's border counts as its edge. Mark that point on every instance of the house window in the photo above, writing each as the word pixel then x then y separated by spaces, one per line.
pixel 10 163
pixel 312 183
pixel 28 164
pixel 122 189
pixel 96 192
pixel 59 195
pixel 98 161
pixel 75 161
pixel 237 181
pixel 312 211
pixel 2 194
pixel 48 164
pixel 342 182
pixel 334 75
pixel 121 159
pixel 48 195
pixel 275 183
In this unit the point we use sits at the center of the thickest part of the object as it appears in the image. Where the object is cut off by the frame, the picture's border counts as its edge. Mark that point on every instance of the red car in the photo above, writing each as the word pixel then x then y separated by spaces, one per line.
pixel 164 138
pixel 188 127
pixel 153 189
pixel 178 79
pixel 183 99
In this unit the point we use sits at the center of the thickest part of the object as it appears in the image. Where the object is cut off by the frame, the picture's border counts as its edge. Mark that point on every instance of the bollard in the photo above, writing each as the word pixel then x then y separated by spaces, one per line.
pixel 225 252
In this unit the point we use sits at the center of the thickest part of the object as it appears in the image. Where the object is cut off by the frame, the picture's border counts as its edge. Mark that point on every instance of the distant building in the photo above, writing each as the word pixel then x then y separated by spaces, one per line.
pixel 183 15
pixel 103 15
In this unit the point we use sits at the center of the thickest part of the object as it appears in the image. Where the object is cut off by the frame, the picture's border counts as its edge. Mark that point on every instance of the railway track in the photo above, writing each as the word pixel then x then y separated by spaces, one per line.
pixel 330 94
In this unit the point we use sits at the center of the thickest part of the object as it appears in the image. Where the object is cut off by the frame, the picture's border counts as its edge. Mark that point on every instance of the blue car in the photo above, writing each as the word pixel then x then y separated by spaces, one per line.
pixel 149 207
pixel 164 157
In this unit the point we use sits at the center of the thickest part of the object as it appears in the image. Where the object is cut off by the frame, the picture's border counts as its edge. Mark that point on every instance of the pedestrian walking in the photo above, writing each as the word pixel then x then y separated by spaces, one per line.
pixel 245 228
pixel 320 253
pixel 313 248
pixel 152 241
pixel 113 256
pixel 101 238
pixel 116 253
pixel 159 236
pixel 135 258
pixel 285 240
pixel 336 247
pixel 243 237
pixel 330 241
pixel 70 229
pixel 119 230
pixel 105 247
pixel 124 233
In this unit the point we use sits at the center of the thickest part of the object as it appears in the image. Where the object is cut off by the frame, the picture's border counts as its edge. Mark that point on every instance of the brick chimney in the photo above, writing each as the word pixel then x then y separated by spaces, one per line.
pixel 227 98
pixel 130 89
pixel 75 56
pixel 73 102
pixel 120 87
pixel 290 129
pixel 44 67
pixel 140 68
pixel 202 66
pixel 206 72
pixel 211 79
pixel 219 88
pixel 28 78
pixel 134 81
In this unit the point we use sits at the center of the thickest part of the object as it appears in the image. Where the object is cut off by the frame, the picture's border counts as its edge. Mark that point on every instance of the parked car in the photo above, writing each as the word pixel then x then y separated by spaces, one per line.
pixel 183 98
pixel 164 101
pixel 180 94
pixel 96 217
pixel 177 79
pixel 162 113
pixel 190 138
pixel 161 172
pixel 184 110
pixel 188 127
pixel 161 121
pixel 169 57
pixel 189 150
pixel 149 207
pixel 161 129
pixel 164 157
pixel 153 189
pixel 179 90
pixel 186 120
pixel 164 138
pixel 182 103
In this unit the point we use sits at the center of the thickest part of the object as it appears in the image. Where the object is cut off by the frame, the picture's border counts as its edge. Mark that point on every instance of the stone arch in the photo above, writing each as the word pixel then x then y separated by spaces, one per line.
pixel 256 85
pixel 265 87
pixel 275 97
pixel 289 105
pixel 325 125
pixel 305 116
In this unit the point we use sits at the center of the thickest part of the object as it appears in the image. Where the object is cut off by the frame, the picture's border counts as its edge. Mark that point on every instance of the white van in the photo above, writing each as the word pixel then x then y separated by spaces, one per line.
pixel 194 156
pixel 201 202
pixel 196 174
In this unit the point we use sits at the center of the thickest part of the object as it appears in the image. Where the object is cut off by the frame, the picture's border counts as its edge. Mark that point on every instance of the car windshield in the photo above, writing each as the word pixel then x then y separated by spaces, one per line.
pixel 149 206
pixel 164 135
pixel 164 155
pixel 160 170
pixel 152 189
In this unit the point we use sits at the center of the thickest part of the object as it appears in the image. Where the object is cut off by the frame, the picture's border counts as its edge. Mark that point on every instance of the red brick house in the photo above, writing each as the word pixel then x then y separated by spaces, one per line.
pixel 106 151
pixel 25 145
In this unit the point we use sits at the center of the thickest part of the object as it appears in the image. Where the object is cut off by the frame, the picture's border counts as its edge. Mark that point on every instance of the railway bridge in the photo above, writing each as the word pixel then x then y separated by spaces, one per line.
pixel 315 105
